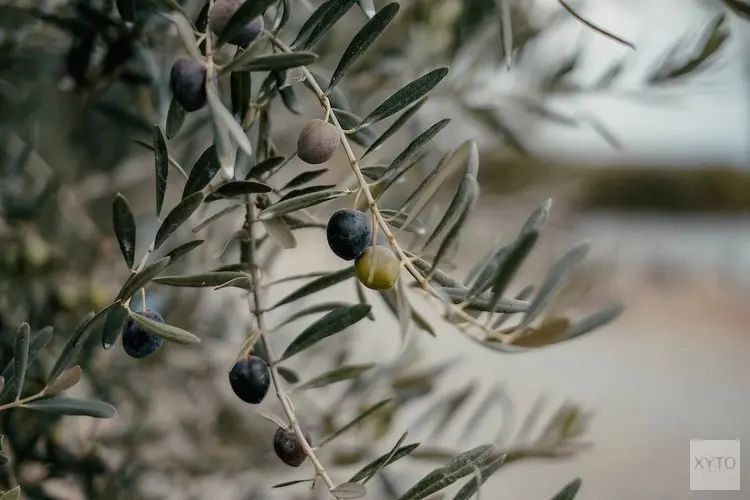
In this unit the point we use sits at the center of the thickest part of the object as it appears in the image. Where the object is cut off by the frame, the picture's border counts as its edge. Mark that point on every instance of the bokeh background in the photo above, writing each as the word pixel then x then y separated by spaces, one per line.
pixel 652 169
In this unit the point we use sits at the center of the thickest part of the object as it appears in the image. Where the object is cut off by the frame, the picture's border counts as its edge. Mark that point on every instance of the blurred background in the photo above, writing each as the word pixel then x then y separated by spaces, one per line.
pixel 645 153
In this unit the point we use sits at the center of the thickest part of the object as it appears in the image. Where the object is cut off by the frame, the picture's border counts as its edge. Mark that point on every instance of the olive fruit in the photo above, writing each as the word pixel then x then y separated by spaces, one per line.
pixel 250 378
pixel 317 142
pixel 137 342
pixel 187 81
pixel 220 14
pixel 348 233
pixel 288 447
pixel 377 268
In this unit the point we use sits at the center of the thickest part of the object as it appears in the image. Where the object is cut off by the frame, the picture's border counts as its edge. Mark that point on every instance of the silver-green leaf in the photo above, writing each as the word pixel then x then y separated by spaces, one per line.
pixel 123 222
pixel 163 330
pixel 299 202
pixel 346 372
pixel 161 161
pixel 178 216
pixel 359 418
pixel 201 280
pixel 61 405
pixel 21 356
pixel 318 284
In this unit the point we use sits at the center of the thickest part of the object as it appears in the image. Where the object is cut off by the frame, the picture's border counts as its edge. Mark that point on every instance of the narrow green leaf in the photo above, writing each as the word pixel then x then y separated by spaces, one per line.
pixel 304 178
pixel 348 121
pixel 243 15
pixel 205 168
pixel 69 378
pixel 218 215
pixel 413 148
pixel 177 217
pixel 123 222
pixel 141 279
pixel 510 262
pixel 346 372
pixel 224 123
pixel 76 341
pixel 38 342
pixel 265 166
pixel 12 494
pixel 330 324
pixel 172 161
pixel 238 188
pixel 396 453
pixel 349 490
pixel 288 375
pixel 298 203
pixel 280 233
pixel 485 471
pixel 240 85
pixel 569 491
pixel 60 405
pixel 463 203
pixel 495 397
pixel 396 125
pixel 291 483
pixel 163 330
pixel 368 7
pixel 289 98
pixel 202 280
pixel 273 62
pixel 294 193
pixel 359 418
pixel 321 283
pixel 363 40
pixel 323 22
pixel 182 250
pixel 175 119
pixel 185 30
pixel 405 96
pixel 21 356
pixel 595 321
pixel 113 326
pixel 460 466
pixel 317 308
pixel 554 280
pixel 2 386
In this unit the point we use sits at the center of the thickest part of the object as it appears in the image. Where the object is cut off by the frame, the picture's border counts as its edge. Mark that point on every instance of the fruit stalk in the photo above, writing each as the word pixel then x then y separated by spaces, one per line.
pixel 257 308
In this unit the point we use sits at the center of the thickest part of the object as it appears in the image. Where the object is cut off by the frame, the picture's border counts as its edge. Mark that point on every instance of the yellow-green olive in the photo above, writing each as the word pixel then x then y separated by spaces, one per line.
pixel 378 268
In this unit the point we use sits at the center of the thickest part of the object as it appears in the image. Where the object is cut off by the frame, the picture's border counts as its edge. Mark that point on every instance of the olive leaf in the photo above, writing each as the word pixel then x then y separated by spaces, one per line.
pixel 185 30
pixel 348 121
pixel 38 342
pixel 359 418
pixel 460 466
pixel 368 7
pixel 451 404
pixel 304 178
pixel 177 217
pixel 288 375
pixel 244 14
pixel 182 250
pixel 396 125
pixel 141 279
pixel 346 372
pixel 280 233
pixel 272 62
pixel 557 276
pixel 205 168
pixel 265 166
pixel 363 40
pixel 172 161
pixel 69 378
pixel 398 220
pixel 202 280
pixel 314 309
pixel 161 161
pixel 349 490
pixel 12 494
pixel 240 85
pixel 76 341
pixel 218 215
pixel 569 491
pixel 238 188
pixel 330 324
pixel 595 321
pixel 60 405
pixel 163 330
pixel 227 132
pixel 123 221
pixel 21 356
pixel 294 193
pixel 485 471
pixel 320 22
pixel 300 202
pixel 291 483
pixel 397 452
pixel 413 148
pixel 318 284
pixel 175 119
pixel 405 96
pixel 509 262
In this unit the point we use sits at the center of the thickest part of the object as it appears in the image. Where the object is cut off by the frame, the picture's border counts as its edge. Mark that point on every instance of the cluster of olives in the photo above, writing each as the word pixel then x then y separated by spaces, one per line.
pixel 136 341
pixel 188 76
pixel 350 237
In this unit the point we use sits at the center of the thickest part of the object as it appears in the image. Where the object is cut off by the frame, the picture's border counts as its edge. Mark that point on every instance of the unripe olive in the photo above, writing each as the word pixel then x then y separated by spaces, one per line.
pixel 220 14
pixel 317 142
pixel 348 233
pixel 378 268
pixel 137 342
pixel 250 379
pixel 288 447
pixel 187 81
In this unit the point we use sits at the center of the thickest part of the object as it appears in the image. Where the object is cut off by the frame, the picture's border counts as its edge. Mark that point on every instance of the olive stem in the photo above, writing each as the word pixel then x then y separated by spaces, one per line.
pixel 21 402
pixel 258 309
pixel 365 189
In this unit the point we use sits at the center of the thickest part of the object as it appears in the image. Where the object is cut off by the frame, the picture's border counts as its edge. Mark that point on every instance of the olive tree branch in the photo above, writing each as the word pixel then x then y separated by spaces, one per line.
pixel 365 190
pixel 258 311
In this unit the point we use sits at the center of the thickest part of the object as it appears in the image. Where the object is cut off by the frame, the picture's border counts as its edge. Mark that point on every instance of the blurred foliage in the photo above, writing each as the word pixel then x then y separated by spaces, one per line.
pixel 80 87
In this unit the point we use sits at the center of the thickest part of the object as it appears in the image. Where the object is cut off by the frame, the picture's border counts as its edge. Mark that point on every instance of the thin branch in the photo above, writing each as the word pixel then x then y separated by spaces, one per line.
pixel 594 27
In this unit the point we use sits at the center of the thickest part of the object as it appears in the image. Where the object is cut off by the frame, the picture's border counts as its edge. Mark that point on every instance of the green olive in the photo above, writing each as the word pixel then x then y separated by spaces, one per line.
pixel 378 268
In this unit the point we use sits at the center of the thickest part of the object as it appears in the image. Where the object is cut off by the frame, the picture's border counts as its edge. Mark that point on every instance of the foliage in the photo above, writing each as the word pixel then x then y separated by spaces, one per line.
pixel 114 60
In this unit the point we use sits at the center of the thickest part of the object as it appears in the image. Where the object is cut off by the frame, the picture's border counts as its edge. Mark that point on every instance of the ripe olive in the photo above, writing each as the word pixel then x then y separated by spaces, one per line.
pixel 317 142
pixel 348 233
pixel 378 268
pixel 137 342
pixel 187 81
pixel 220 14
pixel 288 447
pixel 250 379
